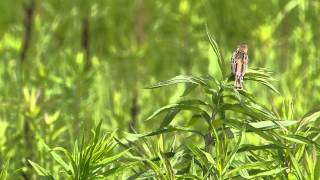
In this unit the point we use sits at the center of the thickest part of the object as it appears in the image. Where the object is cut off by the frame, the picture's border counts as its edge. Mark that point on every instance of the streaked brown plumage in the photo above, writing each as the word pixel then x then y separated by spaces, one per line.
pixel 239 63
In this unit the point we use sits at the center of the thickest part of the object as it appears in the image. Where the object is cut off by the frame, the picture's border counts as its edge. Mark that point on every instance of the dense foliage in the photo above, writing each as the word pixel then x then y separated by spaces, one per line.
pixel 76 100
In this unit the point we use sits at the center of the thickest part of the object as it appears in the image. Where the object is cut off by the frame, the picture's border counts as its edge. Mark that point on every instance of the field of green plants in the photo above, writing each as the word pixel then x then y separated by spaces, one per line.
pixel 142 89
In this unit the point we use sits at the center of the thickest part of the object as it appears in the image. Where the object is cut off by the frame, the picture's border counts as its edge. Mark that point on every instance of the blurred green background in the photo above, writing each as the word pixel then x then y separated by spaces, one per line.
pixel 65 65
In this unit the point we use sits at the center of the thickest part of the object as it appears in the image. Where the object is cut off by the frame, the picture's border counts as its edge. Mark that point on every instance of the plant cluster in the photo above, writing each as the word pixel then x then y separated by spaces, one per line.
pixel 281 148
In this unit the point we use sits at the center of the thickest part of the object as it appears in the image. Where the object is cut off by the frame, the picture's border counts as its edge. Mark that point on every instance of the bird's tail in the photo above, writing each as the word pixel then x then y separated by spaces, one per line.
pixel 238 82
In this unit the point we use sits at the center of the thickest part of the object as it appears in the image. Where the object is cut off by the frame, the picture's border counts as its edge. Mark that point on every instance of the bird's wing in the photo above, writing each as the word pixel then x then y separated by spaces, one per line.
pixel 245 64
pixel 233 63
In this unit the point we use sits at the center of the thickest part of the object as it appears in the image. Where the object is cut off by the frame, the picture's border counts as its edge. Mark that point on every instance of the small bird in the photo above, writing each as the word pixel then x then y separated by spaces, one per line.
pixel 239 63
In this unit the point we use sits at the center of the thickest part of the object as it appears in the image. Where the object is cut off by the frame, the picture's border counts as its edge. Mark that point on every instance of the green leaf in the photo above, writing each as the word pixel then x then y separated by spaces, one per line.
pixel 268 125
pixel 160 143
pixel 182 79
pixel 250 147
pixel 266 173
pixel 188 176
pixel 269 135
pixel 171 129
pixel 241 167
pixel 198 155
pixel 217 51
pixel 59 159
pixel 296 166
pixel 233 153
pixel 175 107
pixel 169 154
pixel 41 171
pixel 310 116
pixel 155 168
pixel 108 160
pixel 169 117
pixel 119 169
pixel 301 140
pixel 209 157
pixel 189 88
pixel 196 102
pixel 262 76
pixel 146 174
pixel 169 173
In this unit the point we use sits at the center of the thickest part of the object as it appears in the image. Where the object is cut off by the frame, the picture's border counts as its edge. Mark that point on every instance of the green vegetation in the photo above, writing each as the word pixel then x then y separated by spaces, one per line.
pixel 139 89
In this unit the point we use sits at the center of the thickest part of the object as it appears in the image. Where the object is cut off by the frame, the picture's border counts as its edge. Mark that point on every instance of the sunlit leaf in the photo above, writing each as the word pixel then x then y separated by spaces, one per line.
pixel 41 171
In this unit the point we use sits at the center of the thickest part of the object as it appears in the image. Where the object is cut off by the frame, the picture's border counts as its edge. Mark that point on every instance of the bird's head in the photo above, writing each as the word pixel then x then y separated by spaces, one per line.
pixel 243 47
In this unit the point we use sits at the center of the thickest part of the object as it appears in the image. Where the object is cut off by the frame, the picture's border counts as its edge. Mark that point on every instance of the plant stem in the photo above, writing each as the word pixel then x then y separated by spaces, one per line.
pixel 27 132
pixel 86 41
pixel 28 21
pixel 208 137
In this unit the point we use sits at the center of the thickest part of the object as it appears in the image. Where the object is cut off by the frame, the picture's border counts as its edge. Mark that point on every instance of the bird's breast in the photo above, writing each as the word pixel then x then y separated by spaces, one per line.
pixel 238 67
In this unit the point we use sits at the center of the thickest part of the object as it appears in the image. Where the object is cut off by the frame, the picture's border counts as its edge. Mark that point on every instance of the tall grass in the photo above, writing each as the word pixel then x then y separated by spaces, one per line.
pixel 229 136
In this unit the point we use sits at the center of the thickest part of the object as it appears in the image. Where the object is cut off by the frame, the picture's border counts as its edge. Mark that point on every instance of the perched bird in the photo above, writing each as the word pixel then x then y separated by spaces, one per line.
pixel 239 63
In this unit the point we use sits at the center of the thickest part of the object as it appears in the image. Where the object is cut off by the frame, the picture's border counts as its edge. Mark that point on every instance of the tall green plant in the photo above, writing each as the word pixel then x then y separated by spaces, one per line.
pixel 230 116
pixel 93 159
